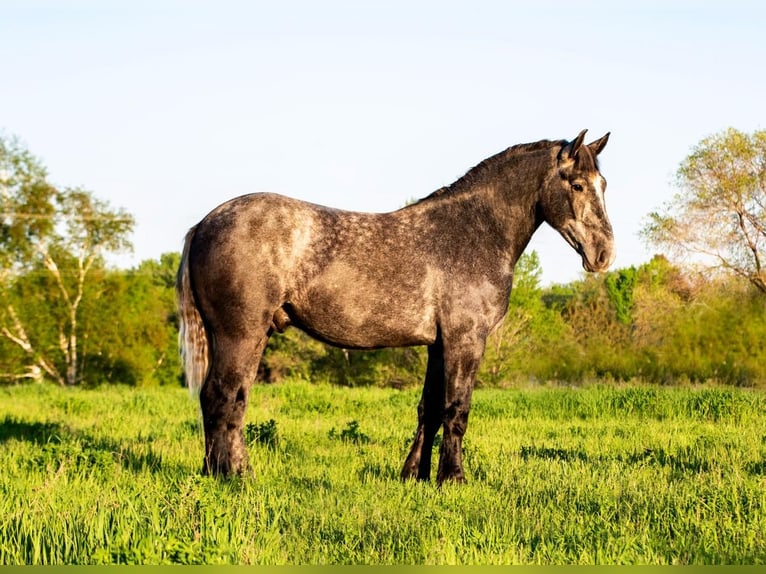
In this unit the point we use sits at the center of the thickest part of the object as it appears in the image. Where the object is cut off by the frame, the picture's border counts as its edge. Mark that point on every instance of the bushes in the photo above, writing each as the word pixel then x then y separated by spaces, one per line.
pixel 666 328
pixel 650 323
pixel 295 354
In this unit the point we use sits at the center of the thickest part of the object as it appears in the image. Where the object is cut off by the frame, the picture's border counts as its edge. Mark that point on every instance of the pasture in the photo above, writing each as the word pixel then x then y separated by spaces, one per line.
pixel 594 475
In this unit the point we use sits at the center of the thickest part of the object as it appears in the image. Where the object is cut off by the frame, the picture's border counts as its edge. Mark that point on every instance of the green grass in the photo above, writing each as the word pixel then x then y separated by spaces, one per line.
pixel 556 476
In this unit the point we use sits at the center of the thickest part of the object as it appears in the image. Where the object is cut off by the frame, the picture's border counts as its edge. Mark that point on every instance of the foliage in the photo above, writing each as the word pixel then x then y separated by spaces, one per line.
pixel 61 236
pixel 656 324
pixel 295 354
pixel 27 203
pixel 520 346
pixel 389 367
pixel 264 434
pixel 652 323
pixel 619 286
pixel 719 215
pixel 127 323
pixel 595 475
pixel 138 326
pixel 352 433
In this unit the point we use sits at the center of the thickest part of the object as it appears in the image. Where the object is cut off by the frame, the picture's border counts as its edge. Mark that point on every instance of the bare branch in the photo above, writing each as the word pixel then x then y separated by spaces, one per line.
pixel 21 339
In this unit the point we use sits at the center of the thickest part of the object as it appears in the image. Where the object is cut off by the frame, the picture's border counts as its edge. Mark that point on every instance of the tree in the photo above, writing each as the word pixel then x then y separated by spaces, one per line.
pixel 133 326
pixel 718 218
pixel 530 333
pixel 57 236
pixel 619 286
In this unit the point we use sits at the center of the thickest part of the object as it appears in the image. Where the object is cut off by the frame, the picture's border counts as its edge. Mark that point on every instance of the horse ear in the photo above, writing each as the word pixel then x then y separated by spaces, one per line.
pixel 597 146
pixel 571 150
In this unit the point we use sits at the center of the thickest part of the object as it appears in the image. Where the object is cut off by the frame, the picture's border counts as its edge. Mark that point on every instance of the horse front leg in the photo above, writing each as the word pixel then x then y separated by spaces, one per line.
pixel 223 400
pixel 462 363
pixel 418 463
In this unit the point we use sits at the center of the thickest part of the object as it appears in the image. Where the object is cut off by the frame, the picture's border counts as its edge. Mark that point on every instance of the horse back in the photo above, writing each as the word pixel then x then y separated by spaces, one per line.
pixel 357 280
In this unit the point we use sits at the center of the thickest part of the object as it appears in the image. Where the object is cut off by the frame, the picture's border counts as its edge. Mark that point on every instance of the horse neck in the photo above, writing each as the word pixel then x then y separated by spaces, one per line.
pixel 503 194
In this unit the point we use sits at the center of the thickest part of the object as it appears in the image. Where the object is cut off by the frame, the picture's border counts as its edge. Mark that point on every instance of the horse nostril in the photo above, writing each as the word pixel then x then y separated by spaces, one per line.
pixel 604 258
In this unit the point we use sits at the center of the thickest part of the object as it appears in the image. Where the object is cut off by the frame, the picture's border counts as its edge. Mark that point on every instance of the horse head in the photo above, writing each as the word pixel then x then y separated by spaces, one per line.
pixel 572 202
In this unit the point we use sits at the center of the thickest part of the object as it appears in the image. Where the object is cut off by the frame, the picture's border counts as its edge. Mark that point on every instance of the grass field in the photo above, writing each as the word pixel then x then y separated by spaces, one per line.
pixel 595 475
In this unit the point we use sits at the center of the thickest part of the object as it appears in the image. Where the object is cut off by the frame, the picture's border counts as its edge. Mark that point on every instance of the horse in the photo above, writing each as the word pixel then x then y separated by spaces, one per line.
pixel 437 272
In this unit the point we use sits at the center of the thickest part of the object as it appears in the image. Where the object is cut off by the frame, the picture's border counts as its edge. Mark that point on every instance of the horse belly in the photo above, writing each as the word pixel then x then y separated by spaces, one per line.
pixel 364 331
pixel 354 310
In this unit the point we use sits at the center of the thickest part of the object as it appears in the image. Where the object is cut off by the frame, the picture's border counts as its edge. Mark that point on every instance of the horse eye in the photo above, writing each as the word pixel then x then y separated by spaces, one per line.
pixel 576 187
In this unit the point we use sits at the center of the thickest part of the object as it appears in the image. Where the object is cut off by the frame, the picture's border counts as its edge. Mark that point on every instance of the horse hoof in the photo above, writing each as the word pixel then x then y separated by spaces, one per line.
pixel 454 479
pixel 224 470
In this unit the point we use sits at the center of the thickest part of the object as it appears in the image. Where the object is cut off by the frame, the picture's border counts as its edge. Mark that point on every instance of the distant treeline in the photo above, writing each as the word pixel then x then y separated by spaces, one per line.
pixel 127 326
pixel 651 323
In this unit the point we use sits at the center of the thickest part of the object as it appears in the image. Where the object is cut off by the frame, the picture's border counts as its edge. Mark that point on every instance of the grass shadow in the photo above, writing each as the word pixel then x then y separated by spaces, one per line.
pixel 56 444
pixel 685 460
pixel 546 453
pixel 132 457
pixel 35 432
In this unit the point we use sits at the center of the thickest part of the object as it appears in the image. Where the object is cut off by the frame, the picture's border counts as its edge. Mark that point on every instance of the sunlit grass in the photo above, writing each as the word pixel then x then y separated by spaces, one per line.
pixel 601 474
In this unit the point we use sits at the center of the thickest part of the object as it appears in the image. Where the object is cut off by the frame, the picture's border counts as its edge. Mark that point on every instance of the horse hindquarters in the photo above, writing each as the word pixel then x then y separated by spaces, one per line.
pixel 221 357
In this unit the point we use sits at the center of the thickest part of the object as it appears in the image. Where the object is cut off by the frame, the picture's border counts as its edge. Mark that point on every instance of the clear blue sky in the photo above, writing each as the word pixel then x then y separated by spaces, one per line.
pixel 167 108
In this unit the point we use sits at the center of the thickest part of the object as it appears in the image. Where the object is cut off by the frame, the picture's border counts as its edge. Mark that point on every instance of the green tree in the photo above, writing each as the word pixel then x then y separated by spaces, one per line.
pixel 532 342
pixel 619 286
pixel 55 239
pixel 134 324
pixel 718 218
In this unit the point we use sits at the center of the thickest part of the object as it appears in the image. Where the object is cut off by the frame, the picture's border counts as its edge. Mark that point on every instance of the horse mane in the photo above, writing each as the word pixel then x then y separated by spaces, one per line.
pixel 486 171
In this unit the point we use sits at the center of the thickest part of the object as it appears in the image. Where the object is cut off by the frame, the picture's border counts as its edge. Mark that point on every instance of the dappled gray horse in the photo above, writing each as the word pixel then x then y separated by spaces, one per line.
pixel 437 273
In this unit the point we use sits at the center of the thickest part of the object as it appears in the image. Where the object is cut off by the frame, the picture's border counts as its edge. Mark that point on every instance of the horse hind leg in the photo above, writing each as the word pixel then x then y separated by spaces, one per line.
pixel 223 399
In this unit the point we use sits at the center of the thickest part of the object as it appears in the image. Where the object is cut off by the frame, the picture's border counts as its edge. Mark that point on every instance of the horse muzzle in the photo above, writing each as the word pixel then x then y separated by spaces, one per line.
pixel 595 249
pixel 597 257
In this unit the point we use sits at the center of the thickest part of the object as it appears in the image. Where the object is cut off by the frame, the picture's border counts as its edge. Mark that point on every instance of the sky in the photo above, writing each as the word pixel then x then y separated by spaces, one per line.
pixel 167 108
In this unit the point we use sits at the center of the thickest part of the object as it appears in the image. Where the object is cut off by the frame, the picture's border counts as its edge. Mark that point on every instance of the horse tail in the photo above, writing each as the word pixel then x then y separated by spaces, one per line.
pixel 192 336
